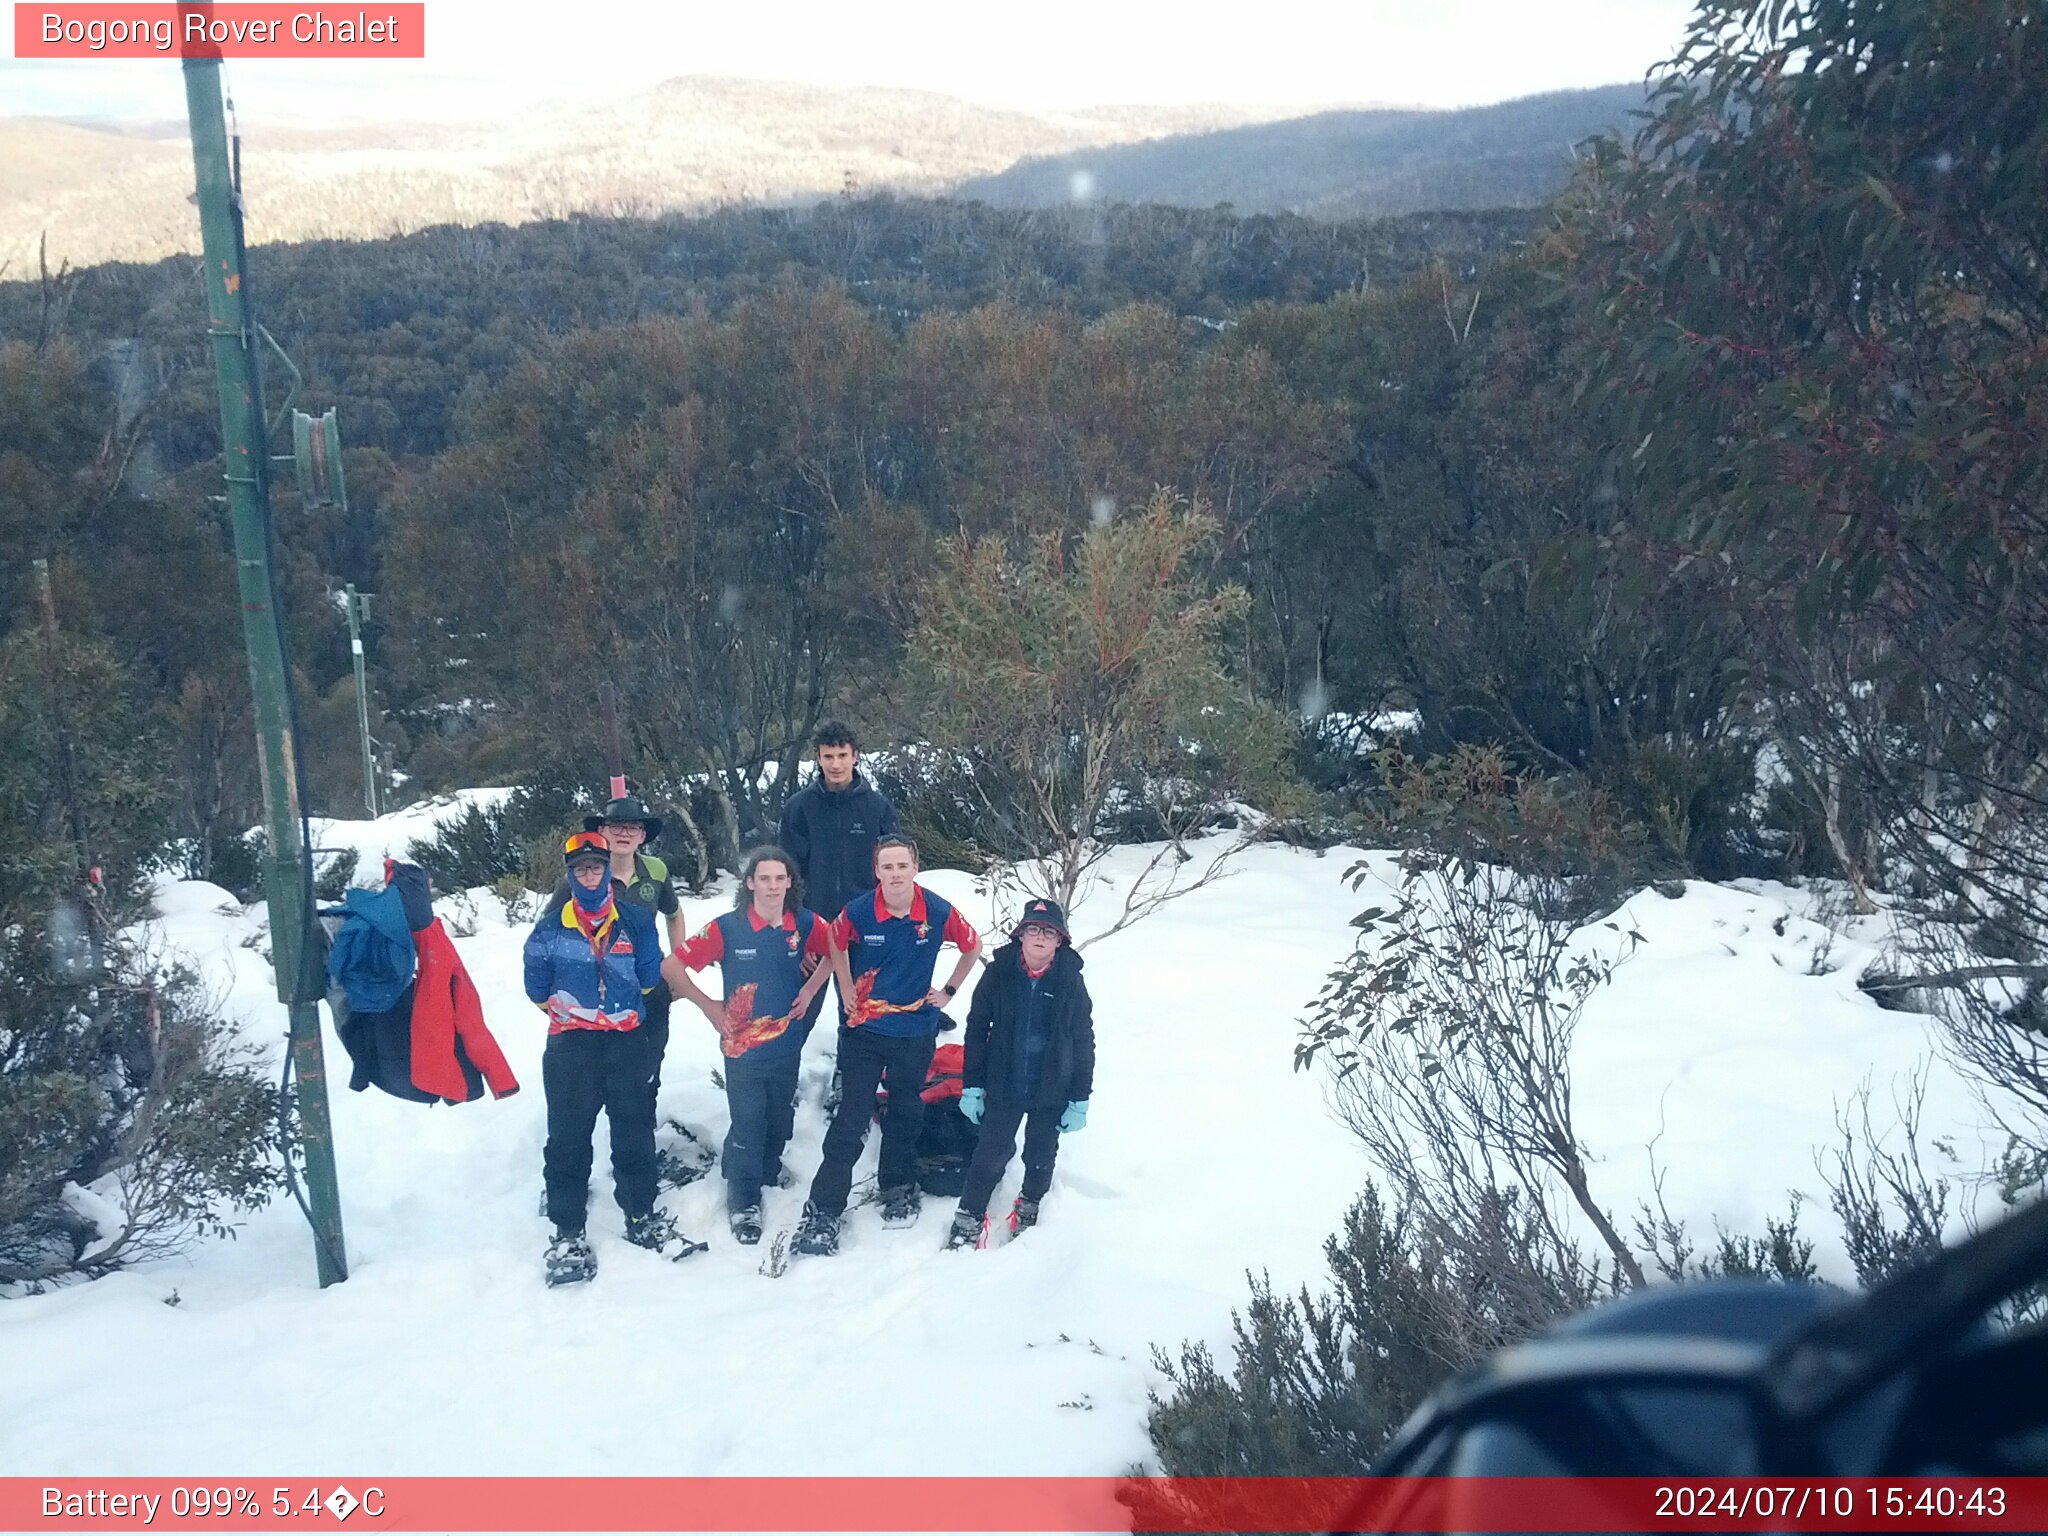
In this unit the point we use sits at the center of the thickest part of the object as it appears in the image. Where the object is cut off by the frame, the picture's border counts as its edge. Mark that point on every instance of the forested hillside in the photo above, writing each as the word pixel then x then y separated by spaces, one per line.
pixel 950 360
pixel 1350 164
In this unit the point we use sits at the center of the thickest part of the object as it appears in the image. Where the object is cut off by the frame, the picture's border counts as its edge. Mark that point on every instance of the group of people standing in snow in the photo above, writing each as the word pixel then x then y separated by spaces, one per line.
pixel 596 965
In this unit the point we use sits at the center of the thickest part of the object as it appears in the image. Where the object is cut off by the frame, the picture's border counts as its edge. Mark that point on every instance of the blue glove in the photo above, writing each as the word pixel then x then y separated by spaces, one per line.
pixel 1076 1115
pixel 972 1102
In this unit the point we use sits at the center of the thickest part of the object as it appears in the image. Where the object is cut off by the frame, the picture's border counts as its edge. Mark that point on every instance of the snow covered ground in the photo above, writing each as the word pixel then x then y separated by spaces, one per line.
pixel 1205 1156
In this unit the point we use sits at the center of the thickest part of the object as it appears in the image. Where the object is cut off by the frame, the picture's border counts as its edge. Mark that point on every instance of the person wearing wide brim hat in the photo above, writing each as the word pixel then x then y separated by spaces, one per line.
pixel 625 808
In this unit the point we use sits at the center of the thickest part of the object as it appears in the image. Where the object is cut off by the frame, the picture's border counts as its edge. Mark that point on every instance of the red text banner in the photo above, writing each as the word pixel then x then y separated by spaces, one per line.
pixel 220 30
pixel 1051 1504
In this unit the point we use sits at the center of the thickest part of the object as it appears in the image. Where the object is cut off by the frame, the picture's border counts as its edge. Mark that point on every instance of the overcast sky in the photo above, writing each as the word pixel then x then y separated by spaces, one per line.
pixel 492 58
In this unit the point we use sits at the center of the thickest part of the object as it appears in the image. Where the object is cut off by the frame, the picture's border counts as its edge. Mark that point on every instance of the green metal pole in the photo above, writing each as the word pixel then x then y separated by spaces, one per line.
pixel 355 648
pixel 248 477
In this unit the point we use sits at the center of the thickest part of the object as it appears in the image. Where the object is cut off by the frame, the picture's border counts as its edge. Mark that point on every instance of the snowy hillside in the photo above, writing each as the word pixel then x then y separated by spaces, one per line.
pixel 1206 1156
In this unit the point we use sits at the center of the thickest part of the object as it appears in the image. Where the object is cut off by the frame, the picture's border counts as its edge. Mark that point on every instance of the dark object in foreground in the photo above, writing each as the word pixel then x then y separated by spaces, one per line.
pixel 1755 1380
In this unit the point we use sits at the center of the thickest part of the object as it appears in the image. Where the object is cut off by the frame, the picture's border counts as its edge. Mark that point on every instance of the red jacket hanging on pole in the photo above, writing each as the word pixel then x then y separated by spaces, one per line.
pixel 446 1011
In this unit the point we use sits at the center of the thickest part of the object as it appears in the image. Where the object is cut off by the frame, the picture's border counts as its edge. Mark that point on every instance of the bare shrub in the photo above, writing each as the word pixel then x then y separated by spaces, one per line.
pixel 1447 1034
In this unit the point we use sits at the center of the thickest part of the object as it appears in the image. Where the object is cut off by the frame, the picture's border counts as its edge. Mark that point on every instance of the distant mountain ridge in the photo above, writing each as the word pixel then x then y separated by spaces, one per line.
pixel 1367 163
pixel 122 193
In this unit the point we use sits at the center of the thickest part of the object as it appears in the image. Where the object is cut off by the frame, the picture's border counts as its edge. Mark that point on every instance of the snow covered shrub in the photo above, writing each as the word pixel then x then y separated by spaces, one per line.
pixel 936 795
pixel 1692 799
pixel 1320 1382
pixel 480 847
pixel 130 1119
pixel 519 900
pixel 337 872
pixel 1578 852
pixel 1896 1213
pixel 231 860
pixel 472 848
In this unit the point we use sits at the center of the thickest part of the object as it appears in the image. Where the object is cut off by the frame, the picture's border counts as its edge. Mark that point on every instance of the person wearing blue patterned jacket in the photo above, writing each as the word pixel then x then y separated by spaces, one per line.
pixel 589 965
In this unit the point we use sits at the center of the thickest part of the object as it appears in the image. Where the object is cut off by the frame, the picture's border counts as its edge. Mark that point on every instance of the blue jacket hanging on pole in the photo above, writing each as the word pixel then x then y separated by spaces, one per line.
pixel 373 958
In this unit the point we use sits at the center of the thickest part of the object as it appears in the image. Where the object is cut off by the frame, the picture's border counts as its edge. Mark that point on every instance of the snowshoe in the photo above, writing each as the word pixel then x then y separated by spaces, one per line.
pixel 746 1225
pixel 656 1231
pixel 1023 1215
pixel 817 1233
pixel 901 1205
pixel 968 1231
pixel 569 1259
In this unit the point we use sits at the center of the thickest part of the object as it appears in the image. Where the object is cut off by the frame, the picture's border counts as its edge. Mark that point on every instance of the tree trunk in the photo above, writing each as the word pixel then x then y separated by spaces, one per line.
pixel 1575 1181
pixel 1831 817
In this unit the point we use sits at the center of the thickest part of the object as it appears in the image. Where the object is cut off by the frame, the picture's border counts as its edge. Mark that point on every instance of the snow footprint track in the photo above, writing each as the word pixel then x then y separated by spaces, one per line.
pixel 1088 1189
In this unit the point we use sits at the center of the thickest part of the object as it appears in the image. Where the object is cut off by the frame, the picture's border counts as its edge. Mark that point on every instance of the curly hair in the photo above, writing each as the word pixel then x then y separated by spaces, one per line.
pixel 755 858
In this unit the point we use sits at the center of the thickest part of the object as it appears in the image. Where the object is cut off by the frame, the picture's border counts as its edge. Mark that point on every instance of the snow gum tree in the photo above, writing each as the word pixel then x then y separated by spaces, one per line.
pixel 1820 276
pixel 1082 680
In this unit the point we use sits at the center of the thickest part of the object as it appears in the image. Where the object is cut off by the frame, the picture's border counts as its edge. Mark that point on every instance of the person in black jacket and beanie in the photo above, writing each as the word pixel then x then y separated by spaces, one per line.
pixel 1030 1061
pixel 830 828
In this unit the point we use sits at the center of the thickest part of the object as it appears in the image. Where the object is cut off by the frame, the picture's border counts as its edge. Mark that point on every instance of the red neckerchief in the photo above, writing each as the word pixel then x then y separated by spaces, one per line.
pixel 593 924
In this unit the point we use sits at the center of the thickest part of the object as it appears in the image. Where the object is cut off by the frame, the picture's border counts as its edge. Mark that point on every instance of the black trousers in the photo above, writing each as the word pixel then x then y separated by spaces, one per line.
pixel 654 1019
pixel 864 1057
pixel 761 1097
pixel 584 1071
pixel 997 1144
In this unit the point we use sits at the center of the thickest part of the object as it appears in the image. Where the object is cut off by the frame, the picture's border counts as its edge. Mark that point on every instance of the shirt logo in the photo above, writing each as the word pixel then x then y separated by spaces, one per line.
pixel 793 941
pixel 924 931
pixel 873 938
pixel 745 954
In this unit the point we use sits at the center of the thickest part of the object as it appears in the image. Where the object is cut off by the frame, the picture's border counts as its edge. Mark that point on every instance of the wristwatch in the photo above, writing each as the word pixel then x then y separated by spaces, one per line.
pixel 949 989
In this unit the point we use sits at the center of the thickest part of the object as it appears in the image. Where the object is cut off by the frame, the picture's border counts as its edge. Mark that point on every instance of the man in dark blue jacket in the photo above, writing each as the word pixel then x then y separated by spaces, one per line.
pixel 830 828
pixel 589 964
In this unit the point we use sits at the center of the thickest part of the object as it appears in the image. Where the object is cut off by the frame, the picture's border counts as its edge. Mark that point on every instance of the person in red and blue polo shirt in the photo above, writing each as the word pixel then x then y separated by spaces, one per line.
pixel 760 948
pixel 891 941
